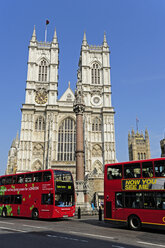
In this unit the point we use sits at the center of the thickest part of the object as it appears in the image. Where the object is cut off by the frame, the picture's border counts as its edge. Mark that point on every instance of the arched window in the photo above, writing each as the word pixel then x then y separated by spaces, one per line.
pixel 43 71
pixel 96 125
pixel 40 124
pixel 138 156
pixel 67 140
pixel 95 74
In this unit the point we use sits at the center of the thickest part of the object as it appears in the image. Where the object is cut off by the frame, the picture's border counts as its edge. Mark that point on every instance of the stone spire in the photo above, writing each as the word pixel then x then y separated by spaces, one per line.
pixel 13 145
pixel 146 134
pixel 17 137
pixel 55 37
pixel 105 40
pixel 84 42
pixel 34 35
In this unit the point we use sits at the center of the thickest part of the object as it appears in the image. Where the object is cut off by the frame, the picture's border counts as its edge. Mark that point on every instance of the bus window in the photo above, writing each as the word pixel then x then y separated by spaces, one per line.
pixel 28 178
pixel 132 170
pixel 37 177
pixel 67 177
pixel 9 180
pixel 12 199
pixel 6 199
pixel 14 179
pixel 147 169
pixel 2 180
pixel 119 200
pixel 46 176
pixel 18 199
pixel 149 200
pixel 58 175
pixel 47 199
pixel 114 172
pixel 160 200
pixel 133 200
pixel 159 168
pixel 20 179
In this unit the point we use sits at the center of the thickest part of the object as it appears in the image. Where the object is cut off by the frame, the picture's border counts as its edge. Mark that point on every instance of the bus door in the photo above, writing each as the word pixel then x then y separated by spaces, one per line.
pixel 110 206
pixel 118 206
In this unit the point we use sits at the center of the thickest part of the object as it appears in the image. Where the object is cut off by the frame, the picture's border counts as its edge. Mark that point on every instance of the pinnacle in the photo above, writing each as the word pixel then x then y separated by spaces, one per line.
pixel 55 37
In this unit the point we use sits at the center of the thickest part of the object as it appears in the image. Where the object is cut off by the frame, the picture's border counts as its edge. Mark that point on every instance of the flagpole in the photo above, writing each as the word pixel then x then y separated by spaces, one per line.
pixel 47 22
pixel 45 33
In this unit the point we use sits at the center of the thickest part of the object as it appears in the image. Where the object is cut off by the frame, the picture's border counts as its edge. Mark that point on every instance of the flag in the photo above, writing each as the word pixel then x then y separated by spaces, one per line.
pixel 47 22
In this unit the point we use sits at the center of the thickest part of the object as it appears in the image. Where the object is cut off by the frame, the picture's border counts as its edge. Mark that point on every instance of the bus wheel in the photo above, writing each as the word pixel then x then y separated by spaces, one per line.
pixel 35 214
pixel 134 223
pixel 4 212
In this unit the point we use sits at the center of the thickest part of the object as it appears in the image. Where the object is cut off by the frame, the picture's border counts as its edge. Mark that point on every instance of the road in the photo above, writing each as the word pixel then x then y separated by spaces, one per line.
pixel 72 233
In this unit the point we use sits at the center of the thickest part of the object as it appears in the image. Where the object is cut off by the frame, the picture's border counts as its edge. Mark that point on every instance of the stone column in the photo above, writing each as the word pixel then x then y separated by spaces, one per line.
pixel 79 143
pixel 81 190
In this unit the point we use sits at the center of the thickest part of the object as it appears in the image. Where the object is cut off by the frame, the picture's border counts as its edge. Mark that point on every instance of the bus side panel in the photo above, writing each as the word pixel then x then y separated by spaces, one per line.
pixel 146 215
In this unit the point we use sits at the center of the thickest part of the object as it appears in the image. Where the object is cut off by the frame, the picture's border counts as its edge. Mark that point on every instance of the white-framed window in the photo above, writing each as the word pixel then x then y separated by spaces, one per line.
pixel 67 140
pixel 40 124
pixel 43 71
pixel 96 125
pixel 95 74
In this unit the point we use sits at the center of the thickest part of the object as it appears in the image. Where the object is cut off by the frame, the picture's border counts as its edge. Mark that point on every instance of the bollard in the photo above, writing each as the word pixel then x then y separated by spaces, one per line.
pixel 100 214
pixel 79 213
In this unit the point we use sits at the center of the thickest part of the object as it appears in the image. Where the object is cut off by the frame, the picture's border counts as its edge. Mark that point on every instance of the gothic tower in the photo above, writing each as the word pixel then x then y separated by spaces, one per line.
pixel 40 100
pixel 93 79
pixel 162 146
pixel 138 146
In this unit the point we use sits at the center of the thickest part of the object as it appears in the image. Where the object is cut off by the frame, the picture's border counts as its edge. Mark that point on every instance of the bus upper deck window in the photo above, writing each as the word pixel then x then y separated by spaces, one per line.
pixel 147 169
pixel 132 170
pixel 159 168
pixel 2 181
pixel 46 176
pixel 9 180
pixel 20 179
pixel 28 178
pixel 37 177
pixel 114 172
pixel 14 179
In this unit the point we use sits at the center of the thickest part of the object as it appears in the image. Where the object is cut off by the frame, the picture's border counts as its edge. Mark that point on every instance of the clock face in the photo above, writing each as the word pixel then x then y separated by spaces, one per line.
pixel 41 97
pixel 96 100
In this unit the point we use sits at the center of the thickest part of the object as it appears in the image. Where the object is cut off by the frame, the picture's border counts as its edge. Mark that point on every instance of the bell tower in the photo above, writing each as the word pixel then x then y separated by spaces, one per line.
pixel 94 78
pixel 42 75
pixel 40 98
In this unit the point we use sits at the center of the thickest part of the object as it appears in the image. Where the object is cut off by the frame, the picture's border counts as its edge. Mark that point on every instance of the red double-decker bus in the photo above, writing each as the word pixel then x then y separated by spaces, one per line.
pixel 134 193
pixel 38 194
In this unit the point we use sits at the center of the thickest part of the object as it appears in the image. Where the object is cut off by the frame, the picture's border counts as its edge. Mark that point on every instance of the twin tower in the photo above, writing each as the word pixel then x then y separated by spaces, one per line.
pixel 48 127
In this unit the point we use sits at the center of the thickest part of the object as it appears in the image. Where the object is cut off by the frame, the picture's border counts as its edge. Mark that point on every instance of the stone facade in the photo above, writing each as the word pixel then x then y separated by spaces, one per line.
pixel 48 132
pixel 138 146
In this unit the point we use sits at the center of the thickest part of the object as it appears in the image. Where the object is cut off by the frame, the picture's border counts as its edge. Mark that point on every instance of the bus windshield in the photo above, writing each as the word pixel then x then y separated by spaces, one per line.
pixel 63 176
pixel 64 189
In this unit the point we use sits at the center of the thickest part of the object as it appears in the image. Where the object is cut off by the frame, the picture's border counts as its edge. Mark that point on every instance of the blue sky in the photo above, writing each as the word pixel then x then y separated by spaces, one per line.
pixel 136 36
